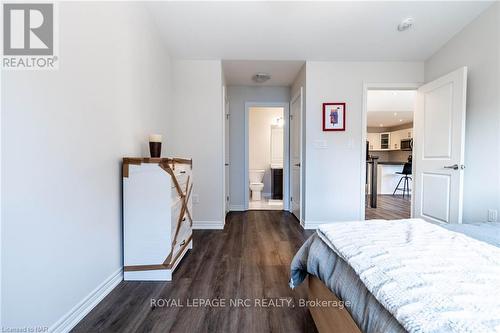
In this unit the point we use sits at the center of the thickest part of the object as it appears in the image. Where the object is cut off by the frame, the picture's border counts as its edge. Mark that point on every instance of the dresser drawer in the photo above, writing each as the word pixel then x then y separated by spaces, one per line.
pixel 185 233
pixel 182 172
pixel 182 181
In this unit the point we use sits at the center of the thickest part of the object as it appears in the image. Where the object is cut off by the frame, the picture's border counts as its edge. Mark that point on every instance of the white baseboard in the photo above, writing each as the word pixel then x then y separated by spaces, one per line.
pixel 208 225
pixel 237 208
pixel 77 313
pixel 312 224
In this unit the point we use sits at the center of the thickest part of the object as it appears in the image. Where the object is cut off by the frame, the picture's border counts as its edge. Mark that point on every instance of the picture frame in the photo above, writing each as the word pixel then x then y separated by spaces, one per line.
pixel 334 116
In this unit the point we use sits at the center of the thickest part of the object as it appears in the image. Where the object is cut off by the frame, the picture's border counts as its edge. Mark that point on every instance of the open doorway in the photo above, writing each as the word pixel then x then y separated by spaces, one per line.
pixel 266 151
pixel 389 146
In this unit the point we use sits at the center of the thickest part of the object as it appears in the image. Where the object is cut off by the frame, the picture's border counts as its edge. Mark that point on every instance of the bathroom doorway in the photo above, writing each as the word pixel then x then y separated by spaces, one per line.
pixel 267 142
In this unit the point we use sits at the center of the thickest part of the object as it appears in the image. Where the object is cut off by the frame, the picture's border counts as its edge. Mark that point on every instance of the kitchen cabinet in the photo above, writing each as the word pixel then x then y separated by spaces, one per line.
pixel 396 139
pixel 388 140
pixel 385 141
pixel 374 141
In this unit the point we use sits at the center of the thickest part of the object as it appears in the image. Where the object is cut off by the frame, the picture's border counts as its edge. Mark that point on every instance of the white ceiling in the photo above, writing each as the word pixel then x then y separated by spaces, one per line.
pixel 388 108
pixel 389 119
pixel 310 30
pixel 240 72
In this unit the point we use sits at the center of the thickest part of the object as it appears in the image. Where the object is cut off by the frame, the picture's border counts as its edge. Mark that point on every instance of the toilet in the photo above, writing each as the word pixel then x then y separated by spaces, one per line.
pixel 256 184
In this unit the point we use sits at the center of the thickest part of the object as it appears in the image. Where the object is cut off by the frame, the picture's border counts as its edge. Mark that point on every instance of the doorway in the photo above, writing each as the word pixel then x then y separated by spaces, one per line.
pixel 436 187
pixel 388 177
pixel 266 138
pixel 266 156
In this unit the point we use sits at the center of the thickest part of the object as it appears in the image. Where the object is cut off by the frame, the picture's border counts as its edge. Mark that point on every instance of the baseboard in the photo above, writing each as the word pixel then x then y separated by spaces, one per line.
pixel 237 208
pixel 312 224
pixel 208 225
pixel 77 313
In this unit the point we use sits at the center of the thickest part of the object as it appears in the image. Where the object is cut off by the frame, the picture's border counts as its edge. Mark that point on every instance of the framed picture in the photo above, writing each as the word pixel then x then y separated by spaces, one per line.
pixel 333 116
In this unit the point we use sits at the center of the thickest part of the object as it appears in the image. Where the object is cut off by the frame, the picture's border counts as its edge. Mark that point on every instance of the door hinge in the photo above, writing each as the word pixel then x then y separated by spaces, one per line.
pixel 291 199
pixel 227 198
pixel 227 115
pixel 291 117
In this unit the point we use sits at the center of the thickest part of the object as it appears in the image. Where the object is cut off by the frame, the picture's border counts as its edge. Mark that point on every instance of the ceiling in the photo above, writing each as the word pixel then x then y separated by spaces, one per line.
pixel 264 30
pixel 388 108
pixel 240 72
pixel 389 119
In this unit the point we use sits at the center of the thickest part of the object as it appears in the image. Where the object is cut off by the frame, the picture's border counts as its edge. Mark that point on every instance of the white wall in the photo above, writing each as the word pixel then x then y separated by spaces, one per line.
pixel 63 136
pixel 477 47
pixel 197 134
pixel 333 175
pixel 259 140
pixel 238 95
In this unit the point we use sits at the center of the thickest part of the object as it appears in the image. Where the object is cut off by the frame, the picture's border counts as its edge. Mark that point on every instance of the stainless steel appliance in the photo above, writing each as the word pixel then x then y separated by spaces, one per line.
pixel 406 144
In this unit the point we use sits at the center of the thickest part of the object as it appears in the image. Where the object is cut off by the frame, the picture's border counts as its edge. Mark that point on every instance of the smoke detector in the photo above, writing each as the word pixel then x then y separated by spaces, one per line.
pixel 261 77
pixel 406 24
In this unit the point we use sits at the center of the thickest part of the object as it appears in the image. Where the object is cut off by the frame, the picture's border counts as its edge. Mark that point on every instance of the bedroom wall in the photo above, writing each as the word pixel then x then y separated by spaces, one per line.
pixel 238 95
pixel 64 134
pixel 333 174
pixel 477 47
pixel 198 134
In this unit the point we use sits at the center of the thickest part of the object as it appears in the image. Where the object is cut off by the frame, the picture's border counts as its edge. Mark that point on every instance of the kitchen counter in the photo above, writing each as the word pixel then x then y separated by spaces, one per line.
pixel 387 176
pixel 388 163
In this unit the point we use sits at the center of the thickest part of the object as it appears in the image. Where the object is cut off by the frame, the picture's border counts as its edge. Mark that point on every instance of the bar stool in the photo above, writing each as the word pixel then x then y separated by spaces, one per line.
pixel 405 178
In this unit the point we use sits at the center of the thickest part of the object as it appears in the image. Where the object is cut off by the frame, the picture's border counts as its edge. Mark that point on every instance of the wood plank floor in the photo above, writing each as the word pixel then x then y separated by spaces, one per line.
pixel 389 207
pixel 250 258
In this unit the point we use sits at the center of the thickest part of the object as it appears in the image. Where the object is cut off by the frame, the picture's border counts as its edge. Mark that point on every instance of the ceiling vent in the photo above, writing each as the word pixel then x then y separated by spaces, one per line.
pixel 261 77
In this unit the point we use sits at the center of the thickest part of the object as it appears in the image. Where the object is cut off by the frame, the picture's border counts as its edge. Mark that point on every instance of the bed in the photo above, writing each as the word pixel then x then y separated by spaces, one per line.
pixel 333 275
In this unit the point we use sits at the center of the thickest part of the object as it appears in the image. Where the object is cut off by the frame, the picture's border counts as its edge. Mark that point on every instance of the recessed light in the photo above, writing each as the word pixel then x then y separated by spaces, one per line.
pixel 395 114
pixel 400 120
pixel 406 24
pixel 381 125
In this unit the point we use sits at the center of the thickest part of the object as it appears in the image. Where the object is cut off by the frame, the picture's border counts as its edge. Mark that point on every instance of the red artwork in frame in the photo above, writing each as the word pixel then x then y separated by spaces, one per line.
pixel 333 116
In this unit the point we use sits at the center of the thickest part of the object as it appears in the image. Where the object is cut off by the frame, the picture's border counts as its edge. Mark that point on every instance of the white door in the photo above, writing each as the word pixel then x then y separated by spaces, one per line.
pixel 226 152
pixel 295 154
pixel 439 148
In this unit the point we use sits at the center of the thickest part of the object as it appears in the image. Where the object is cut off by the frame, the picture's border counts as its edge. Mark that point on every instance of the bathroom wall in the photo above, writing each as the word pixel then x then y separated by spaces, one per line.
pixel 259 141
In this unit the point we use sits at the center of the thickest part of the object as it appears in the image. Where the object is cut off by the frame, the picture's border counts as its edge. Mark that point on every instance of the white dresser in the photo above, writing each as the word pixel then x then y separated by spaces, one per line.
pixel 157 220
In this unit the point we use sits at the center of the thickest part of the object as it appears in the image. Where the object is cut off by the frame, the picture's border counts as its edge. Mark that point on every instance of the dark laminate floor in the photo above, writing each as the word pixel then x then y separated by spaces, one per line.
pixel 250 258
pixel 389 207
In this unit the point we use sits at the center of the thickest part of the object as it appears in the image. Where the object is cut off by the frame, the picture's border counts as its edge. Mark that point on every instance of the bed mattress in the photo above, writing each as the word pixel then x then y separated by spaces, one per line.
pixel 317 258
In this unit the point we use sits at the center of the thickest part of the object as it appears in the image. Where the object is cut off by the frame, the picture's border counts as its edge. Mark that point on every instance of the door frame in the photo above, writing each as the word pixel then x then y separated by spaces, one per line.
pixel 223 139
pixel 286 150
pixel 225 117
pixel 378 86
pixel 298 95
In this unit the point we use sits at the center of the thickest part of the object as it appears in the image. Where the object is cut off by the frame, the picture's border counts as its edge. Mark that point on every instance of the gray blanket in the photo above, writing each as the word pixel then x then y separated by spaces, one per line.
pixel 316 258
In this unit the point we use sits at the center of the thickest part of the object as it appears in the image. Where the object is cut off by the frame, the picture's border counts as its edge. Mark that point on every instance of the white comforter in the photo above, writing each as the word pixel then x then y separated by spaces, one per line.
pixel 430 279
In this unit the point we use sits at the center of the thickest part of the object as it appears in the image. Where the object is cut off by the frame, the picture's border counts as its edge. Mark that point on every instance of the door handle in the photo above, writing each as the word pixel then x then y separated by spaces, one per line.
pixel 226 164
pixel 297 165
pixel 455 167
